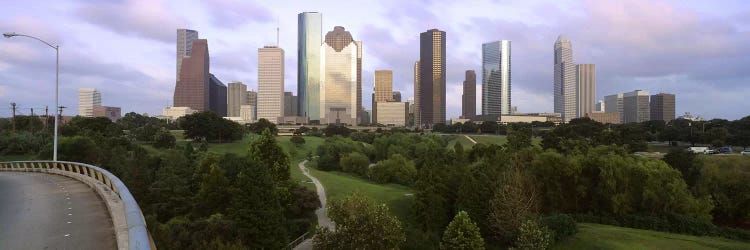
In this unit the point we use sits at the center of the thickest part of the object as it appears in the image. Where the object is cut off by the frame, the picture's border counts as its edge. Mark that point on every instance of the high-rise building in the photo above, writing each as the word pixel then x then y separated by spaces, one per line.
pixel 396 96
pixel 586 84
pixel 217 92
pixel 600 107
pixel 192 88
pixel 247 113
pixel 236 97
pixel 411 105
pixel 383 91
pixel 252 99
pixel 270 83
pixel 339 84
pixel 565 85
pixel 185 38
pixel 496 78
pixel 113 113
pixel 290 104
pixel 432 77
pixel 417 93
pixel 309 39
pixel 663 107
pixel 392 113
pixel 635 106
pixel 360 109
pixel 88 98
pixel 613 104
pixel 469 97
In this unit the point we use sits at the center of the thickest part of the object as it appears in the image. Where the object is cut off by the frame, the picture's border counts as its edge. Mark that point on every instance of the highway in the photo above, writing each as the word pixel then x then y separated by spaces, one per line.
pixel 48 211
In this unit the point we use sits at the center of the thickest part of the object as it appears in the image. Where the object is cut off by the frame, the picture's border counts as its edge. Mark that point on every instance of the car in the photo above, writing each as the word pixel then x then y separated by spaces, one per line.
pixel 724 150
pixel 711 151
pixel 745 152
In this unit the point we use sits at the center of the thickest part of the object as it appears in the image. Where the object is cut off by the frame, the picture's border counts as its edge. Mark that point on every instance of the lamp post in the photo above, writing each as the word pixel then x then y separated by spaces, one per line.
pixel 57 81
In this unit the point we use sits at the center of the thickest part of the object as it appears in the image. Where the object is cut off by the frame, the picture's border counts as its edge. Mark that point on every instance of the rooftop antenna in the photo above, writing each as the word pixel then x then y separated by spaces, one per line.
pixel 277 31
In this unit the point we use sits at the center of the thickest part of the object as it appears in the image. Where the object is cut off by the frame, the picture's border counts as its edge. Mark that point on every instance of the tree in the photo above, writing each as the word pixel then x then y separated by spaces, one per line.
pixel 212 127
pixel 519 138
pixel 213 196
pixel 462 233
pixel 355 162
pixel 164 139
pixel 265 151
pixel 333 129
pixel 261 125
pixel 360 224
pixel 396 169
pixel 531 235
pixel 684 161
pixel 297 140
pixel 514 203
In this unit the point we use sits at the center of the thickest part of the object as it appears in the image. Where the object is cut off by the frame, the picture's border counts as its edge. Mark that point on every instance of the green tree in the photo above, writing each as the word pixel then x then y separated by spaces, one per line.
pixel 355 162
pixel 360 224
pixel 396 169
pixel 261 125
pixel 531 235
pixel 519 138
pixel 514 202
pixel 297 140
pixel 213 196
pixel 164 139
pixel 265 151
pixel 256 208
pixel 462 233
pixel 171 191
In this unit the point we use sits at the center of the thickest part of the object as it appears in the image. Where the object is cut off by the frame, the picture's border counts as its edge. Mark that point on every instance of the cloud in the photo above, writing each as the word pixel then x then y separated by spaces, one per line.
pixel 235 13
pixel 151 19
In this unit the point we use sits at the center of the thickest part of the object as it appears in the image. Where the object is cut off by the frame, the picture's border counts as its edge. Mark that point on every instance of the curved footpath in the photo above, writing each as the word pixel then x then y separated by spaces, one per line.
pixel 49 211
pixel 321 212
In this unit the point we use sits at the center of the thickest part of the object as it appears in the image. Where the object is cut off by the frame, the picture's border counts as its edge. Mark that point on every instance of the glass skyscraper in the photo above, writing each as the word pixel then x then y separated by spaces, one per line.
pixel 431 77
pixel 340 57
pixel 565 86
pixel 309 40
pixel 496 78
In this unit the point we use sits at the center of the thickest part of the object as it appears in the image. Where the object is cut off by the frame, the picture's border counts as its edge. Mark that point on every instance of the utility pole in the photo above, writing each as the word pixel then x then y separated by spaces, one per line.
pixel 32 111
pixel 59 112
pixel 13 108
pixel 46 117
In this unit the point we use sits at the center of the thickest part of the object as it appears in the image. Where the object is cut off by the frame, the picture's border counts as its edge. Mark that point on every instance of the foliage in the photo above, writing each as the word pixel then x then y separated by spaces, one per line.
pixel 360 224
pixel 396 169
pixel 513 203
pixel 213 196
pixel 531 235
pixel 333 149
pixel 356 163
pixel 519 138
pixel 265 151
pixel 462 233
pixel 562 226
pixel 297 140
pixel 164 139
pixel 261 125
pixel 211 127
pixel 725 179
pixel 333 130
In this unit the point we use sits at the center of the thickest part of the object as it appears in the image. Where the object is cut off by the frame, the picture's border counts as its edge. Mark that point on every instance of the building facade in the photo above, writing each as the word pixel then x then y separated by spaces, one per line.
pixel 469 97
pixel 496 78
pixel 217 92
pixel 613 103
pixel 113 113
pixel 600 106
pixel 309 40
pixel 177 112
pixel 192 88
pixel 396 96
pixel 605 117
pixel 88 98
pixel 565 84
pixel 185 38
pixel 417 94
pixel 270 83
pixel 663 107
pixel 586 83
pixel 432 77
pixel 339 72
pixel 247 113
pixel 236 97
pixel 383 91
pixel 392 113
pixel 290 104
pixel 635 106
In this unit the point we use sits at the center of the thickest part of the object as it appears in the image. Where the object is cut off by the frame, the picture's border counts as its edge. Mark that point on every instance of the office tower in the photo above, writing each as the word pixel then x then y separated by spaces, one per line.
pixel 309 39
pixel 112 113
pixel 663 107
pixel 360 109
pixel 247 113
pixel 88 98
pixel 236 97
pixel 192 89
pixel 396 96
pixel 635 106
pixel 270 83
pixel 600 107
pixel 417 94
pixel 432 77
pixel 411 105
pixel 586 84
pixel 392 113
pixel 252 99
pixel 217 96
pixel 496 78
pixel 290 104
pixel 613 104
pixel 338 94
pixel 185 38
pixel 469 97
pixel 565 79
pixel 383 91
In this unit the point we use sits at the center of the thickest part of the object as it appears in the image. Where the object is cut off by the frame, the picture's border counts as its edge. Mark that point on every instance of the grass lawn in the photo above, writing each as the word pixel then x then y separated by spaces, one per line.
pixel 596 236
pixel 29 157
pixel 460 139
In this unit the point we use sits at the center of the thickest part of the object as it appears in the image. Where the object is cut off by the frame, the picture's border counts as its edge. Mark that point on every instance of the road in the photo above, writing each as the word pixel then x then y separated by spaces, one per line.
pixel 470 139
pixel 48 211
pixel 321 212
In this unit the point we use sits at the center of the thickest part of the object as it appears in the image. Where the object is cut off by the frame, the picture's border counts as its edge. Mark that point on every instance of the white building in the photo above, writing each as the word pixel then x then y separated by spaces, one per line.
pixel 88 98
pixel 247 112
pixel 339 76
pixel 565 84
pixel 392 113
pixel 270 83
pixel 177 112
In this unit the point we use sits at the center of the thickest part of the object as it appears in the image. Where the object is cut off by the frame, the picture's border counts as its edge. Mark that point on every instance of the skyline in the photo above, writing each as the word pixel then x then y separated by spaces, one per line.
pixel 655 58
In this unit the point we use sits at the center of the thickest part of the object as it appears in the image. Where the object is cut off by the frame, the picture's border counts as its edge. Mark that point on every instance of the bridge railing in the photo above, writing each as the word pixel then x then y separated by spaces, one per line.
pixel 138 237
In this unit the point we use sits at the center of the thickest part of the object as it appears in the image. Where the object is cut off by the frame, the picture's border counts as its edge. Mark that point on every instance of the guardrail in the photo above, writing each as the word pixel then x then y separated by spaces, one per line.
pixel 138 237
pixel 296 241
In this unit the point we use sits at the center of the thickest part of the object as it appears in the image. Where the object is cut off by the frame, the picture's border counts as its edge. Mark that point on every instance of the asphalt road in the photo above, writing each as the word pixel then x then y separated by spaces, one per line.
pixel 48 211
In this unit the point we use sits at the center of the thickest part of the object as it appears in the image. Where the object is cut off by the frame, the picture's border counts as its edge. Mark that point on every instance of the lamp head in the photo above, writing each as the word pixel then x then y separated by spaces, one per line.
pixel 9 35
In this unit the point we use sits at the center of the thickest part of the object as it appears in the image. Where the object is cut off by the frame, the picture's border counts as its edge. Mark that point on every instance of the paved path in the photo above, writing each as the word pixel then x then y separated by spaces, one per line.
pixel 48 211
pixel 470 139
pixel 321 212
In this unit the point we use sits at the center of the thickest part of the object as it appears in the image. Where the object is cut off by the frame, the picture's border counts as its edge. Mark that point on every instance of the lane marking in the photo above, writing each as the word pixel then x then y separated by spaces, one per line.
pixel 70 214
pixel 70 208
pixel 67 235
pixel 69 222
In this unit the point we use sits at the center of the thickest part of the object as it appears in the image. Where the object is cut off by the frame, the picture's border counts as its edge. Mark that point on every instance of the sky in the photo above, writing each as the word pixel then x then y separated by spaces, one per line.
pixel 698 50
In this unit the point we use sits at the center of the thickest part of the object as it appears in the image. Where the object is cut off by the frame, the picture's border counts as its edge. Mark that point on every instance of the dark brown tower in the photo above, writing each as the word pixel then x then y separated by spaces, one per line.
pixel 469 98
pixel 192 90
pixel 432 77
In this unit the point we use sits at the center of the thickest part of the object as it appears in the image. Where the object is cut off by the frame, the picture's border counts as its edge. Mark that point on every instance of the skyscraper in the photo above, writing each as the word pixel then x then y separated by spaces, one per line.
pixel 496 78
pixel 309 39
pixel 383 91
pixel 217 96
pixel 360 109
pixel 339 83
pixel 662 107
pixel 185 38
pixel 432 77
pixel 88 98
pixel 396 96
pixel 252 99
pixel 565 80
pixel 613 104
pixel 192 88
pixel 586 84
pixel 600 107
pixel 290 104
pixel 635 106
pixel 270 83
pixel 469 97
pixel 417 93
pixel 236 97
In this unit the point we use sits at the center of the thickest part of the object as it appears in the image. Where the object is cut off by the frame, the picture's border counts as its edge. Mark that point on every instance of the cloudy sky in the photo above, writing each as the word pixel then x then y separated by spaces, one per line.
pixel 699 50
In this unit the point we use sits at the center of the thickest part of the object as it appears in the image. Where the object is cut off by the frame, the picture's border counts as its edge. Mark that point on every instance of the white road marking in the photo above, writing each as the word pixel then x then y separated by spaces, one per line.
pixel 70 208
pixel 69 222
pixel 67 235
pixel 70 214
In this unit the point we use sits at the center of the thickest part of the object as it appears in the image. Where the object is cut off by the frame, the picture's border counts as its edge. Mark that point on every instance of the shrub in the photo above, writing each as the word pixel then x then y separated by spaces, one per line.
pixel 563 225
pixel 297 140
pixel 355 162
pixel 164 139
pixel 531 235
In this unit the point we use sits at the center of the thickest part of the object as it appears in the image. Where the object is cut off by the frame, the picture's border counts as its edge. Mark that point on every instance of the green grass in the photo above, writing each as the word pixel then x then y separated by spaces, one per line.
pixel 460 139
pixel 596 236
pixel 28 157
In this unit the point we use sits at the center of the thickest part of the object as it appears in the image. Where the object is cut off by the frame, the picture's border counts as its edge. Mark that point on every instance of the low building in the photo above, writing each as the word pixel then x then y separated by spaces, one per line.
pixel 247 112
pixel 505 119
pixel 113 113
pixel 177 112
pixel 293 119
pixel 392 113
pixel 458 120
pixel 605 117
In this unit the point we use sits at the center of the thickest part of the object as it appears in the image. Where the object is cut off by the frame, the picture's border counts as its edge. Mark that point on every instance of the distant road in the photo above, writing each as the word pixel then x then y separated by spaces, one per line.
pixel 48 211
pixel 470 139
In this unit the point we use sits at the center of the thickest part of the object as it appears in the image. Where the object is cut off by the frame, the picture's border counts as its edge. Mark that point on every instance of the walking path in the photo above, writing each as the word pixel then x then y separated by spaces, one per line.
pixel 321 212
pixel 470 139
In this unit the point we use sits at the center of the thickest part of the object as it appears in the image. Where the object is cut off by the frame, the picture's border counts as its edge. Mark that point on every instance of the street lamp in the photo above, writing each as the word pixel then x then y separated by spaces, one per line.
pixel 57 81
